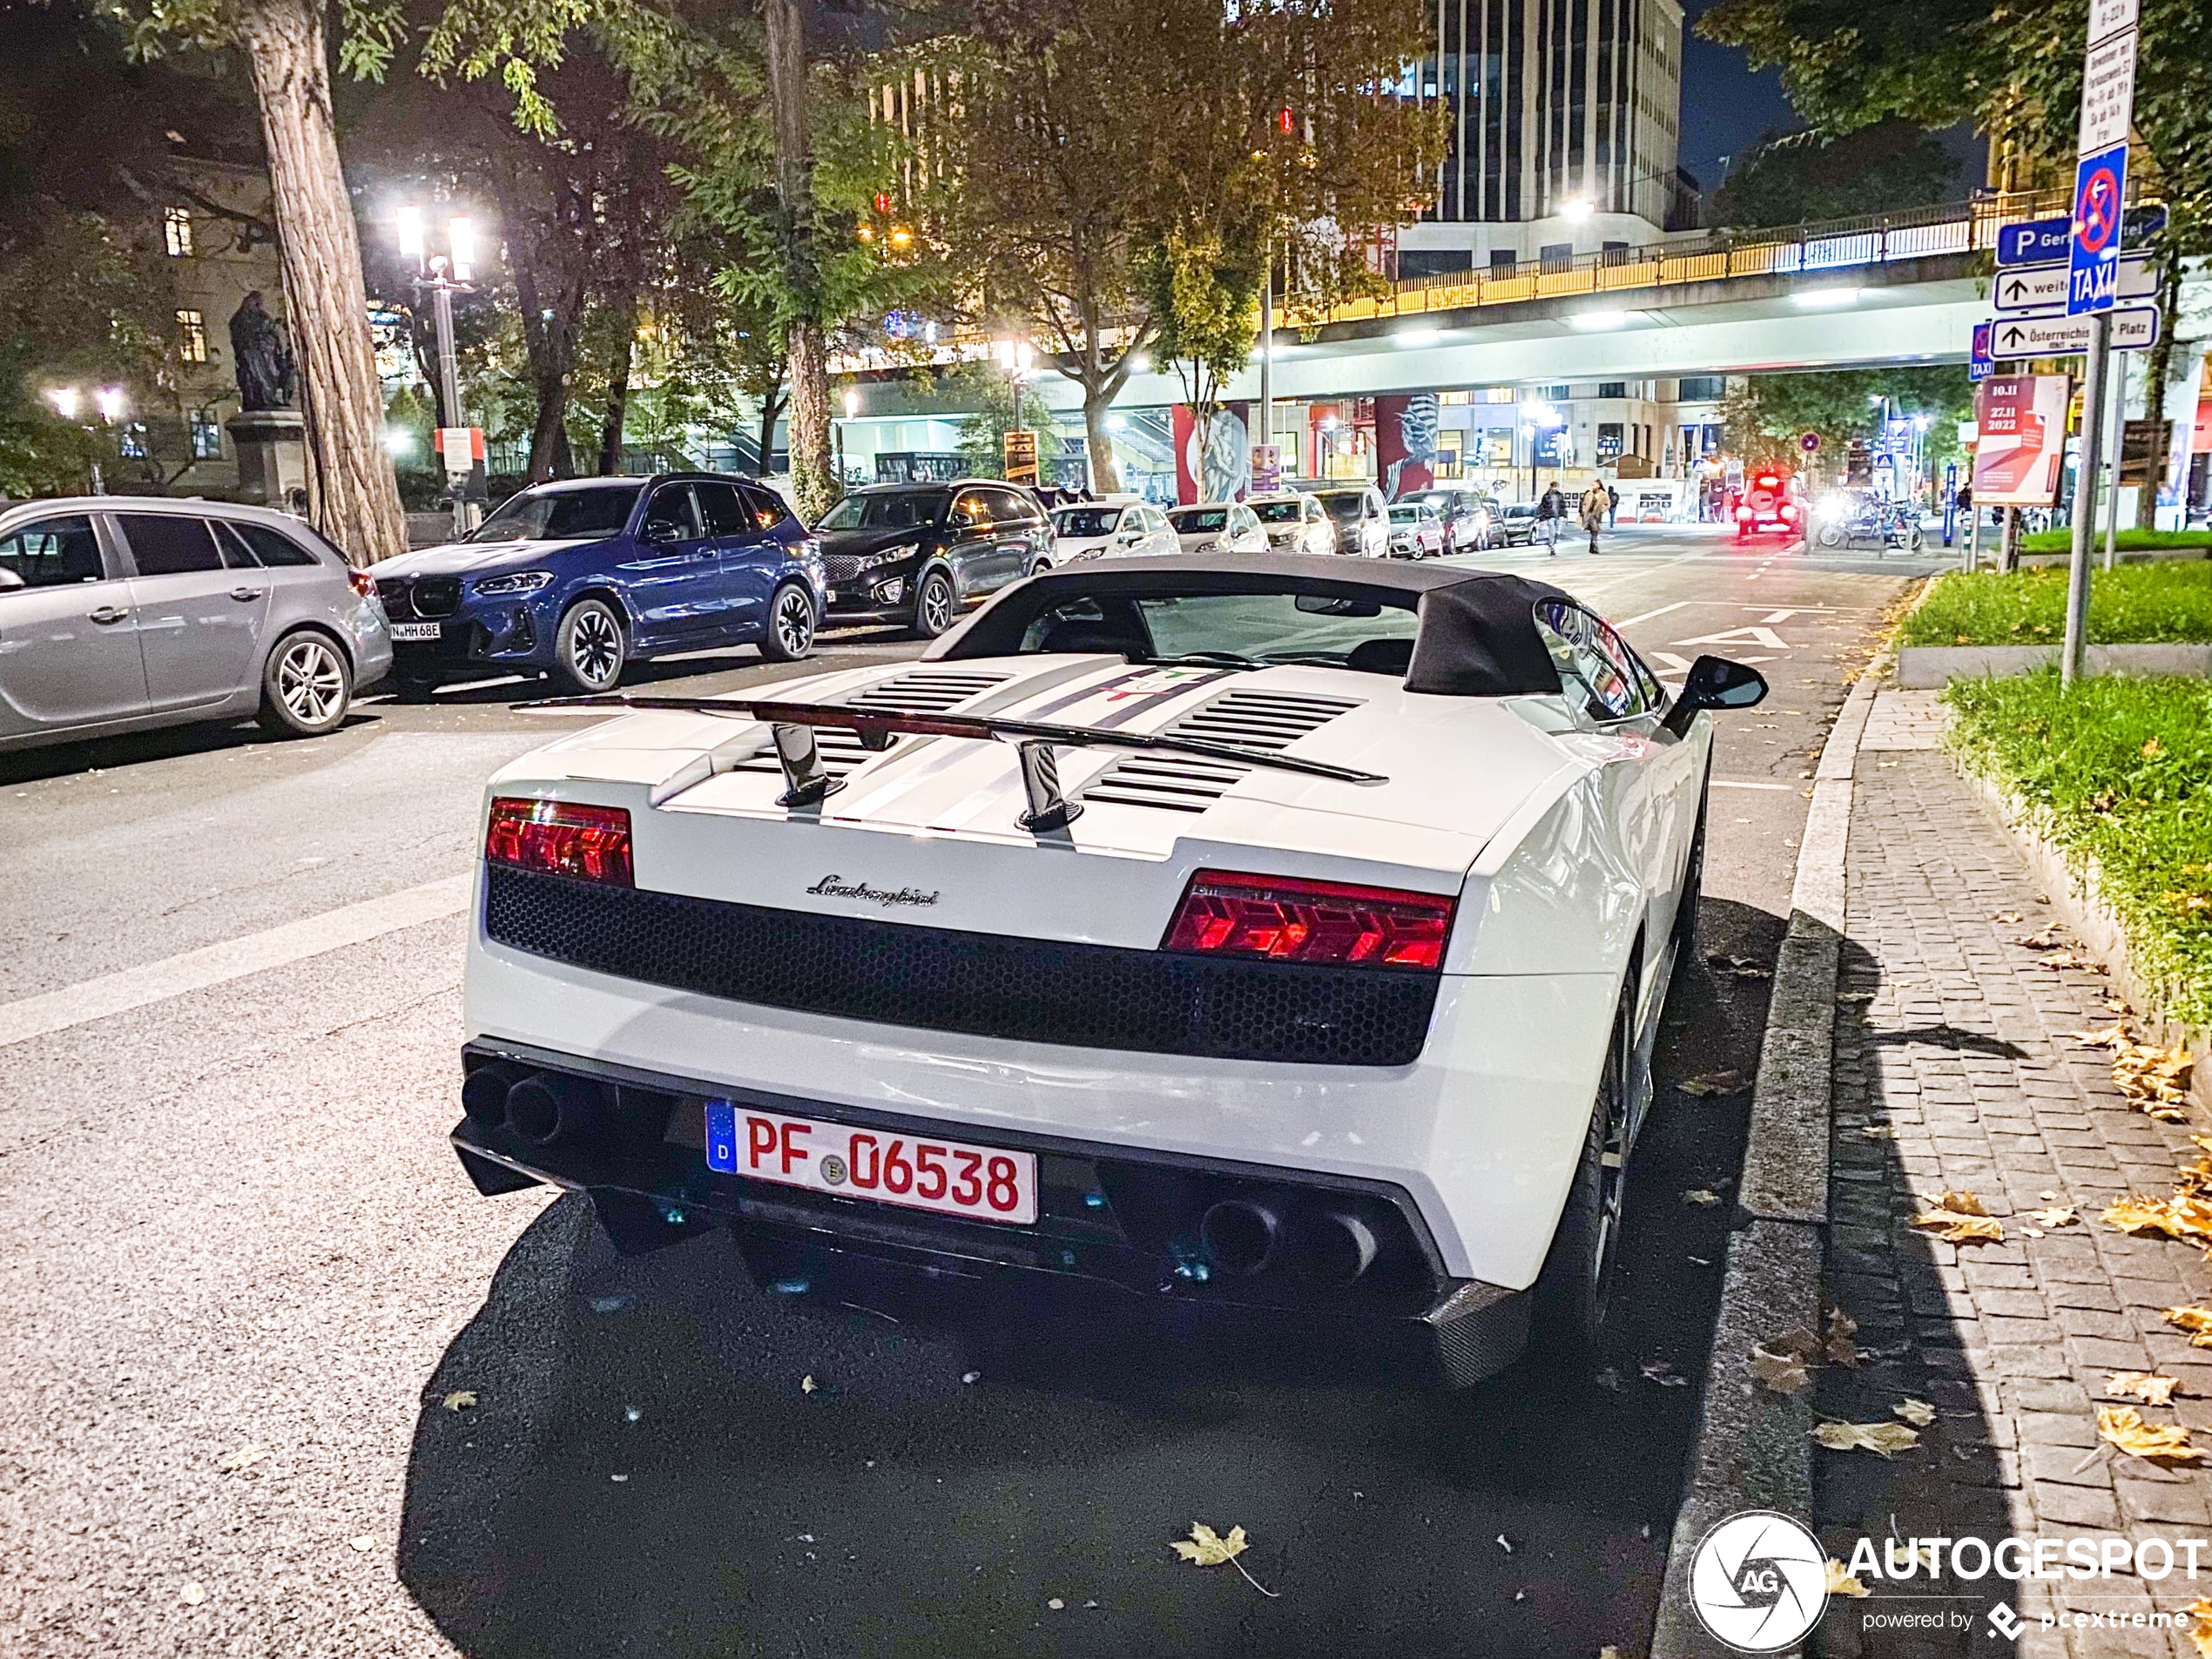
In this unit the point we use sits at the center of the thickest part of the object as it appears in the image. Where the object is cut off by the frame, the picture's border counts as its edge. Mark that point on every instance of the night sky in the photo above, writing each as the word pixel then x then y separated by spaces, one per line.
pixel 1725 108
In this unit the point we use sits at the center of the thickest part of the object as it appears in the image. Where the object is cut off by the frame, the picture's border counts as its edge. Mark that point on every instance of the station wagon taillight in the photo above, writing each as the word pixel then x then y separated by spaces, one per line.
pixel 1285 920
pixel 360 582
pixel 561 838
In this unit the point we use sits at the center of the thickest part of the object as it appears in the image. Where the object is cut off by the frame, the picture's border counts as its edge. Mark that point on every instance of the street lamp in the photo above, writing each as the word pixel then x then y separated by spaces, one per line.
pixel 442 276
pixel 1014 357
pixel 852 409
pixel 111 404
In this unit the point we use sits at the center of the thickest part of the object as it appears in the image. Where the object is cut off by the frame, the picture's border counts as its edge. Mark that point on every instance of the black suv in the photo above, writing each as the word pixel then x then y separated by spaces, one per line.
pixel 917 553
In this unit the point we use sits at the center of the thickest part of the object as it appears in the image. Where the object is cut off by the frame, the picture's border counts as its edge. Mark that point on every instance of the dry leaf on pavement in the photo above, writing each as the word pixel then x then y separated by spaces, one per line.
pixel 2058 1215
pixel 245 1457
pixel 1206 1548
pixel 1842 1583
pixel 2124 1426
pixel 2201 1610
pixel 2113 1036
pixel 1782 1373
pixel 2146 1386
pixel 1888 1439
pixel 1701 1196
pixel 1959 1218
pixel 192 1593
pixel 2043 938
pixel 1715 1082
pixel 2181 1216
pixel 1838 1349
pixel 2194 1320
pixel 806 1384
pixel 364 1543
pixel 1878 1132
pixel 1918 1412
pixel 460 1399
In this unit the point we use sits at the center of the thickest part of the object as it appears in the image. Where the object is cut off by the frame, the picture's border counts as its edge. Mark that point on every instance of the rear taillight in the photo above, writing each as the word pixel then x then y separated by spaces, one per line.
pixel 561 838
pixel 363 583
pixel 1286 921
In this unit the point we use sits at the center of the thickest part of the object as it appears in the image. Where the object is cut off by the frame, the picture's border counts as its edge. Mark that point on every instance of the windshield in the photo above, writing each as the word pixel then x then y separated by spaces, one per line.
pixel 1086 521
pixel 1230 630
pixel 1409 512
pixel 1344 506
pixel 1192 520
pixel 1278 512
pixel 556 515
pixel 892 510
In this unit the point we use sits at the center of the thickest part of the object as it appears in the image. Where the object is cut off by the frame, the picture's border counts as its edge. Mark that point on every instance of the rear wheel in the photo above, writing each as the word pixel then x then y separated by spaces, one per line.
pixel 1567 1322
pixel 791 625
pixel 933 605
pixel 306 687
pixel 589 649
pixel 1693 885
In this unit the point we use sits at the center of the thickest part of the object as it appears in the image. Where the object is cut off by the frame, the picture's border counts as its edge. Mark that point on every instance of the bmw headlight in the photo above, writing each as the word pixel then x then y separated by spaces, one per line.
pixel 521 582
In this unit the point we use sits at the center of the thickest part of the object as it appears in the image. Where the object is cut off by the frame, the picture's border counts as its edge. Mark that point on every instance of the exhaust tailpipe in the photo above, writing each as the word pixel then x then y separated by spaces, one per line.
pixel 484 1096
pixel 546 1106
pixel 1240 1236
pixel 1342 1247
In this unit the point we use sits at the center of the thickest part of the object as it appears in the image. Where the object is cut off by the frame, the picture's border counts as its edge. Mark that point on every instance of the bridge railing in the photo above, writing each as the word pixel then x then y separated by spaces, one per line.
pixel 1831 245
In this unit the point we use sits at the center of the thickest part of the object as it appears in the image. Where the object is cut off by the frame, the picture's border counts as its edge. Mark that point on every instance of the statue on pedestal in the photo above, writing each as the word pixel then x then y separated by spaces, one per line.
pixel 259 357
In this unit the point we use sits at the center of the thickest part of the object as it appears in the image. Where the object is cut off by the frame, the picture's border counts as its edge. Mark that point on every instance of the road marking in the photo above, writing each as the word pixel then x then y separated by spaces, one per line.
pixel 195 970
pixel 1648 615
pixel 1733 783
pixel 1668 659
pixel 1753 635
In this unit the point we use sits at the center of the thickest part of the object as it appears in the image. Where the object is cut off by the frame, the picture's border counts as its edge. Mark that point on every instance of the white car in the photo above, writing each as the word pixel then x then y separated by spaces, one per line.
pixel 1362 518
pixel 1116 527
pixel 1286 939
pixel 1416 532
pixel 1294 523
pixel 1217 527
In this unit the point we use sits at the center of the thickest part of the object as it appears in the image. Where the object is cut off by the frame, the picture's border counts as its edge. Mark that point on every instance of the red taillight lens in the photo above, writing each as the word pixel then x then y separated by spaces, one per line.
pixel 363 583
pixel 561 838
pixel 1284 920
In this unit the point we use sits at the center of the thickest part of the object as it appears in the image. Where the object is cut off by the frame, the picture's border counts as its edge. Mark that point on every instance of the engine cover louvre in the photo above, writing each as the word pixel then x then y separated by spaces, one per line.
pixel 1252 720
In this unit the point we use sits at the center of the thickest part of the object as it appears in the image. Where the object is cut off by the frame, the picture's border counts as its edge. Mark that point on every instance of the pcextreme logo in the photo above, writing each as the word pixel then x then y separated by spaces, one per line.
pixel 1758 1582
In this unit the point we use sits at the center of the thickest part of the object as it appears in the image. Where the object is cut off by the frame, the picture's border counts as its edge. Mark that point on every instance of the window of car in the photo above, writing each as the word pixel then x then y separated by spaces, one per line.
pixel 765 506
pixel 560 515
pixel 1593 660
pixel 53 552
pixel 170 543
pixel 1081 523
pixel 1195 521
pixel 725 513
pixel 673 515
pixel 969 510
pixel 1231 628
pixel 267 545
pixel 886 509
pixel 1346 506
pixel 1008 508
pixel 1279 512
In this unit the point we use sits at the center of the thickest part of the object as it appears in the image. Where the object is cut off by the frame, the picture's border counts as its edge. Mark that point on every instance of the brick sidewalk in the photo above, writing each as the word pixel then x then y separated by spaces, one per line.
pixel 1951 1047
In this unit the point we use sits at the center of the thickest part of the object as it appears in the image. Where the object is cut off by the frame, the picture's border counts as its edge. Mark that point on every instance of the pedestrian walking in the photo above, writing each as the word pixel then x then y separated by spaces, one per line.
pixel 1551 508
pixel 1594 502
pixel 1612 505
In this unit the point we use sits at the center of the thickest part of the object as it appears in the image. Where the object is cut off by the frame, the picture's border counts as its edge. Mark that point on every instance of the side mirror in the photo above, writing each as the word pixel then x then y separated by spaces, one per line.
pixel 1715 682
pixel 661 531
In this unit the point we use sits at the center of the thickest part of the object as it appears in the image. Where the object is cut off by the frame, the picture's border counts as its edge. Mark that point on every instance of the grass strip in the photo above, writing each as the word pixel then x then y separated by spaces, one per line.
pixel 2167 604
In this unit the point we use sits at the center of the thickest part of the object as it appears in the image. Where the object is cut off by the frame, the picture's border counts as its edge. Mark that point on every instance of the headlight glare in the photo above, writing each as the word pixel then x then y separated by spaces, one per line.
pixel 520 582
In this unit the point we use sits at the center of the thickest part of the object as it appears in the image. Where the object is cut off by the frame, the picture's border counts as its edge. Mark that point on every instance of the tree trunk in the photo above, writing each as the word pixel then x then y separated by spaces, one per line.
pixel 1105 470
pixel 807 357
pixel 2159 365
pixel 771 407
pixel 353 498
pixel 618 398
pixel 551 454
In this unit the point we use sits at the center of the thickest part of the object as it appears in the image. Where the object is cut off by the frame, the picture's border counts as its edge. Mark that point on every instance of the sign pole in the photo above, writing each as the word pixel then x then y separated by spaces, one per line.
pixel 2084 499
pixel 2119 452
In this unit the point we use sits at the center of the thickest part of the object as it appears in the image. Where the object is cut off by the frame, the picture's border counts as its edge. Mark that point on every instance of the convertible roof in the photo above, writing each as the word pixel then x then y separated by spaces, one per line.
pixel 1477 635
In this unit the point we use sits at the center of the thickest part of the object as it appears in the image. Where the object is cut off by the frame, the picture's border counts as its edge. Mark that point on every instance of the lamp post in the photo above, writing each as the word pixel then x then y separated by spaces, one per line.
pixel 852 408
pixel 111 404
pixel 1014 357
pixel 442 276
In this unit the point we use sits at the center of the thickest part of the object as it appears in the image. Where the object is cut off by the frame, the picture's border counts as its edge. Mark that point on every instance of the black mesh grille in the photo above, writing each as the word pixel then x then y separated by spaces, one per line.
pixel 1031 990
pixel 437 596
pixel 842 567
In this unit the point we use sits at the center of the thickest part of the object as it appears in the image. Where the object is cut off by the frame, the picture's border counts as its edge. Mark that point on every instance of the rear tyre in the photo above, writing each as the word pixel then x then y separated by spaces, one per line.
pixel 1567 1322
pixel 1693 885
pixel 933 605
pixel 306 686
pixel 590 650
pixel 791 625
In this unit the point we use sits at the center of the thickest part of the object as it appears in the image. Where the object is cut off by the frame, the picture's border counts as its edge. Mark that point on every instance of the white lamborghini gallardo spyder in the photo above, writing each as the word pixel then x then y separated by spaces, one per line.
pixel 1251 932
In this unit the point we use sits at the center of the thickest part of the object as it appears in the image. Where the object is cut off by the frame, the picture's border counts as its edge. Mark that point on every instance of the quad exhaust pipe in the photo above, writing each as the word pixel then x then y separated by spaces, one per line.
pixel 1242 1238
pixel 543 1106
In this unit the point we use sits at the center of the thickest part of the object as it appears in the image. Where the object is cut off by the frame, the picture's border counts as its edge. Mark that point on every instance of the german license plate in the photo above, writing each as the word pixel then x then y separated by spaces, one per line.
pixel 414 629
pixel 921 1173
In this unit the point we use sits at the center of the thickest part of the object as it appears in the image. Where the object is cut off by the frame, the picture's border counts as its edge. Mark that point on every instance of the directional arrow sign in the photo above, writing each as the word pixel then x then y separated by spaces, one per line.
pixel 2135 328
pixel 2042 287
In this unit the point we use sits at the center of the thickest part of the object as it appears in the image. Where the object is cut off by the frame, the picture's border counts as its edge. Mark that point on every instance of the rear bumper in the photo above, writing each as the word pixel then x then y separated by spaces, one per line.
pixel 1111 1217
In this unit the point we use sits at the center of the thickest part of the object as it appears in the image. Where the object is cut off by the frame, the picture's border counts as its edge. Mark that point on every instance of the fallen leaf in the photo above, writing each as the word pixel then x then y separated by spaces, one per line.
pixel 1962 1203
pixel 2058 1215
pixel 2046 1193
pixel 2045 938
pixel 2124 1426
pixel 1842 1583
pixel 364 1543
pixel 2007 916
pixel 1055 1604
pixel 2067 959
pixel 1838 1349
pixel 1662 1372
pixel 2146 1386
pixel 1782 1373
pixel 2152 749
pixel 2201 1610
pixel 806 1384
pixel 2194 1320
pixel 1878 1132
pixel 1918 1412
pixel 1797 1340
pixel 1206 1548
pixel 1959 1218
pixel 2031 1232
pixel 1715 1082
pixel 1701 1196
pixel 2181 1217
pixel 1887 1439
pixel 460 1399
pixel 192 1593
pixel 245 1457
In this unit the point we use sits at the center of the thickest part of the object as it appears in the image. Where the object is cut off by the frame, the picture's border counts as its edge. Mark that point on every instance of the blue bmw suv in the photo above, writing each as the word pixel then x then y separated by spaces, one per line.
pixel 580 578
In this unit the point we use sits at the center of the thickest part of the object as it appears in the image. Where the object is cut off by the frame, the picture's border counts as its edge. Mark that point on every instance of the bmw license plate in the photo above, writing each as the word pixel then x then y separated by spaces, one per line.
pixel 414 629
pixel 948 1176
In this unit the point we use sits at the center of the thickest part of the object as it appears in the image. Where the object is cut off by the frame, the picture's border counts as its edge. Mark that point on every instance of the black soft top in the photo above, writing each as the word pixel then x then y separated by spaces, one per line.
pixel 1477 634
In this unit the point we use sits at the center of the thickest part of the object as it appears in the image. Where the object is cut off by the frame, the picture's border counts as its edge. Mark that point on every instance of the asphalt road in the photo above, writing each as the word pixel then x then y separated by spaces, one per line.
pixel 235 1235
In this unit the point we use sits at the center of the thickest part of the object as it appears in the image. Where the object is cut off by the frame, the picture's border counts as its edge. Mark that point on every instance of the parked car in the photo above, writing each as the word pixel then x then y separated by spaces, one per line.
pixel 1515 525
pixel 581 578
pixel 1294 523
pixel 1112 527
pixel 1416 532
pixel 866 973
pixel 1362 518
pixel 1217 527
pixel 1467 516
pixel 916 554
pixel 199 611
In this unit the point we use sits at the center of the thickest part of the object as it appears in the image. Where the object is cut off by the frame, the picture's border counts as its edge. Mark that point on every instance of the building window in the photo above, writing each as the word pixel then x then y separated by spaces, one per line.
pixel 207 435
pixel 1608 439
pixel 176 232
pixel 1557 256
pixel 1504 259
pixel 1501 394
pixel 131 442
pixel 1700 389
pixel 1613 388
pixel 1452 400
pixel 1552 393
pixel 191 336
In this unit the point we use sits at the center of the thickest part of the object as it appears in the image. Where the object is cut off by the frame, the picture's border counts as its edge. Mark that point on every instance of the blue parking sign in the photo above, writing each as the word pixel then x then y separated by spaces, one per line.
pixel 2092 263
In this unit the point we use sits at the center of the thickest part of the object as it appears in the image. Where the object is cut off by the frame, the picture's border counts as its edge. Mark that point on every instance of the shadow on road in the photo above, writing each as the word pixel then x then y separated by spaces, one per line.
pixel 137 748
pixel 646 1468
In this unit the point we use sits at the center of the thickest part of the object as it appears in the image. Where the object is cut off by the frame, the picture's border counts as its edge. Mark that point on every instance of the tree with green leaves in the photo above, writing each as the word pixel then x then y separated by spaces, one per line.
pixel 1204 303
pixel 1765 415
pixel 1794 178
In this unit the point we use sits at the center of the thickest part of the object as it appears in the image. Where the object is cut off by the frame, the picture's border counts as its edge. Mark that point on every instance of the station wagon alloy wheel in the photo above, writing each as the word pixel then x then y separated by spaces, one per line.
pixel 305 691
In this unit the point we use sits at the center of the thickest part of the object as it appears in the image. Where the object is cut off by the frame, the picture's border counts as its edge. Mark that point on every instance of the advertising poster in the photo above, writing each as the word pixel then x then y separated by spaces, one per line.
pixel 2021 448
pixel 1406 443
pixel 1228 456
pixel 1267 467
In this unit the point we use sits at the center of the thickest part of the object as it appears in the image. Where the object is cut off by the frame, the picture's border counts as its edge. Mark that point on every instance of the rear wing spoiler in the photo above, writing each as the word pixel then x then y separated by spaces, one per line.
pixel 792 727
